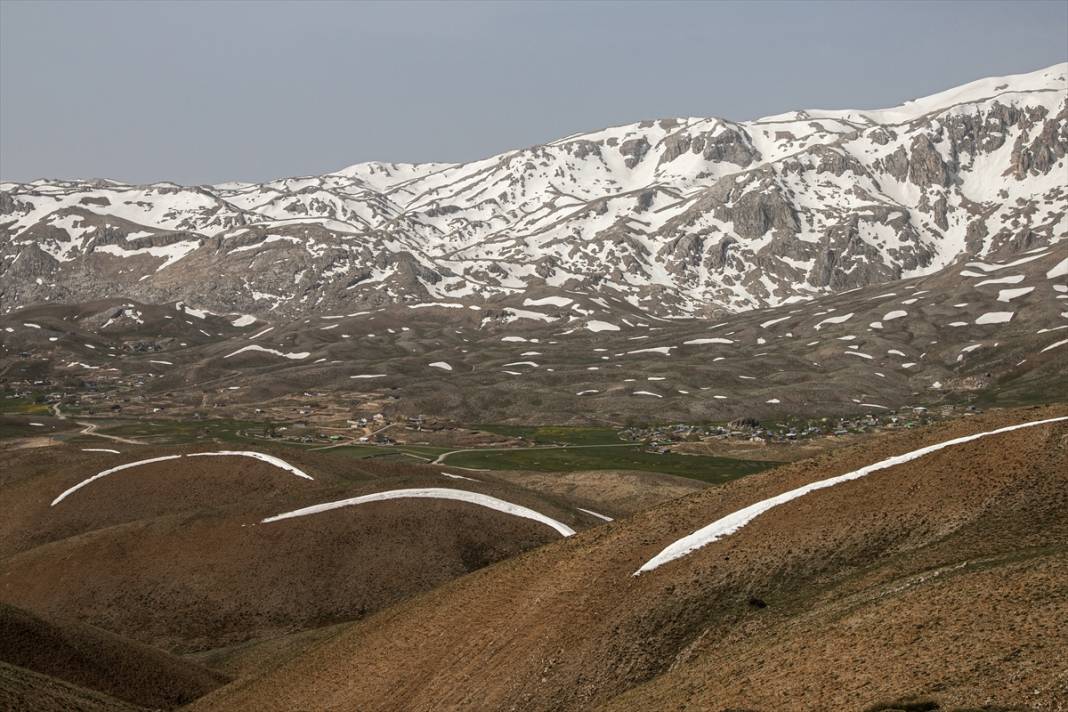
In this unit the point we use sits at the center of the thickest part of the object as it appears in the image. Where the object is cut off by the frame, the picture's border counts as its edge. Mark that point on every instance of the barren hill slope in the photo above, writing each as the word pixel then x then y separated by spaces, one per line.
pixel 25 689
pixel 943 576
pixel 177 552
pixel 96 660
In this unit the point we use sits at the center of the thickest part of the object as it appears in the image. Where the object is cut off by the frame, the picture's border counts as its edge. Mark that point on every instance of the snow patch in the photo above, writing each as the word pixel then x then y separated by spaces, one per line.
pixel 995 318
pixel 481 500
pixel 1007 295
pixel 833 320
pixel 731 523
pixel 296 356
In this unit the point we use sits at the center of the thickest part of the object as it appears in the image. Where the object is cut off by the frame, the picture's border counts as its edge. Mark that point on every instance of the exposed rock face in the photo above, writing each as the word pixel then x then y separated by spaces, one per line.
pixel 896 164
pixel 1045 150
pixel 635 150
pixel 926 167
pixel 759 211
pixel 847 261
pixel 687 249
pixel 682 215
pixel 717 259
pixel 9 205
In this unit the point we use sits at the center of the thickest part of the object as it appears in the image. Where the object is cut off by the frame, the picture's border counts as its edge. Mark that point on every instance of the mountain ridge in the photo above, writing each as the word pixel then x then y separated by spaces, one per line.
pixel 679 217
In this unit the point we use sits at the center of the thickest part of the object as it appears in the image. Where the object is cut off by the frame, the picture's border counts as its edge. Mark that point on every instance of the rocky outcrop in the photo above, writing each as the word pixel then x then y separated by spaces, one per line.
pixel 1039 155
pixel 761 209
pixel 926 165
pixel 634 150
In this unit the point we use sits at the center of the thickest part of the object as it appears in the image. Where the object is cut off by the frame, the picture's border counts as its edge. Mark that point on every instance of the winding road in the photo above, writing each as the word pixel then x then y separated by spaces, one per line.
pixel 90 428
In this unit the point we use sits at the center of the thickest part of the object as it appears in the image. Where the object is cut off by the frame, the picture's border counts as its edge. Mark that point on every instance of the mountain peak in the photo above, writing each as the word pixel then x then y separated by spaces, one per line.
pixel 676 216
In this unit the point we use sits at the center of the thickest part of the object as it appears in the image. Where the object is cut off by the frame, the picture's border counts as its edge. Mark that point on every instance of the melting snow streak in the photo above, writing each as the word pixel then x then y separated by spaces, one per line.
pixel 733 522
pixel 270 459
pixel 431 493
pixel 109 471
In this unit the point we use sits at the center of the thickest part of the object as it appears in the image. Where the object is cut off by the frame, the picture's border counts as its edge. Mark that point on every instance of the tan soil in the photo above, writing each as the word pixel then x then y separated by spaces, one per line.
pixel 27 443
pixel 944 577
pixel 614 493
pixel 173 553
pixel 774 452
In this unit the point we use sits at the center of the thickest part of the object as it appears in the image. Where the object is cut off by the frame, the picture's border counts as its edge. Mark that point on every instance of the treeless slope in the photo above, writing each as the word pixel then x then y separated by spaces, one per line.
pixel 258 655
pixel 94 659
pixel 22 689
pixel 174 553
pixel 611 492
pixel 917 579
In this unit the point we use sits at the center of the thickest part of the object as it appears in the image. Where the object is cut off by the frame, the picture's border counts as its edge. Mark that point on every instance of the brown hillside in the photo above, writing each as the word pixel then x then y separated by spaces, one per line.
pixel 942 577
pixel 22 689
pixel 174 554
pixel 96 660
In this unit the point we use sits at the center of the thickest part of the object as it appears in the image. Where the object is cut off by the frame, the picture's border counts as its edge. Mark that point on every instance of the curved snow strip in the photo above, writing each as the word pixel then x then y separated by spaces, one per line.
pixel 458 477
pixel 1014 279
pixel 547 301
pixel 430 493
pixel 100 449
pixel 833 320
pixel 665 350
pixel 269 459
pixel 595 514
pixel 995 267
pixel 107 472
pixel 733 522
pixel 296 355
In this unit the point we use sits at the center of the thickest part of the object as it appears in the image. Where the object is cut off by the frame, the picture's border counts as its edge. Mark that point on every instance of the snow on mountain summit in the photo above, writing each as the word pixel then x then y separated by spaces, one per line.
pixel 675 216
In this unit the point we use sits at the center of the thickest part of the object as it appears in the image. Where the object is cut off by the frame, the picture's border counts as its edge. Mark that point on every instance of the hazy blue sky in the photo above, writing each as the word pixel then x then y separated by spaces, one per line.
pixel 204 92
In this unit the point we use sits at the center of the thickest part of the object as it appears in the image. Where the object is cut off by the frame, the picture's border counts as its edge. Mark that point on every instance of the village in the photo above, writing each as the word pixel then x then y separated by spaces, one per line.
pixel 364 418
pixel 662 439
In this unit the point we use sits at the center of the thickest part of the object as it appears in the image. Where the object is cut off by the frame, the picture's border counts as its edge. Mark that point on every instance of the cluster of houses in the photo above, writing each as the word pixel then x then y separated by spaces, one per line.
pixel 748 429
pixel 89 397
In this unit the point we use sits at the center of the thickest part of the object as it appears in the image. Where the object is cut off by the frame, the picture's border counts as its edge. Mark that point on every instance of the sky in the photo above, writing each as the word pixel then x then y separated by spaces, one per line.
pixel 203 92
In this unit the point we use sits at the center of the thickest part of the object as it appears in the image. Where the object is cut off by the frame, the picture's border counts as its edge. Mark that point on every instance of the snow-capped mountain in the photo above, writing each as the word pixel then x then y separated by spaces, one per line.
pixel 676 216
